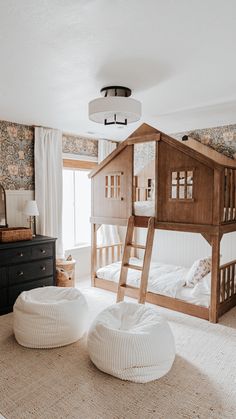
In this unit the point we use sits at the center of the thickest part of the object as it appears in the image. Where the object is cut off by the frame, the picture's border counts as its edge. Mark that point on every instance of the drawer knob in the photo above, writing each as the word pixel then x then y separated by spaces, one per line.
pixel 20 273
pixel 43 251
pixel 43 268
pixel 21 254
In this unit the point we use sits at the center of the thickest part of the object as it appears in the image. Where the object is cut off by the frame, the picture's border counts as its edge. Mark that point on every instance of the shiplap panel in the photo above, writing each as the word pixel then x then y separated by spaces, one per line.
pixel 183 249
pixel 15 205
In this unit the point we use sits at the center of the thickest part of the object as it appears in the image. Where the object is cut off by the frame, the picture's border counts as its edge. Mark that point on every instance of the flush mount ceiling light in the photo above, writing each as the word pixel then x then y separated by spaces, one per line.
pixel 115 107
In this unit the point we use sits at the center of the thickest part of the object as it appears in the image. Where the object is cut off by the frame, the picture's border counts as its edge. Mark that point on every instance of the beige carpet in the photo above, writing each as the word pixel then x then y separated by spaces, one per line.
pixel 62 383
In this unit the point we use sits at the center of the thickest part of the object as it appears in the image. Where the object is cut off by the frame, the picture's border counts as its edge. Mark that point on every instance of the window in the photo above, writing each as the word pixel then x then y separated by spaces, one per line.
pixel 76 207
pixel 150 190
pixel 182 185
pixel 112 186
pixel 144 172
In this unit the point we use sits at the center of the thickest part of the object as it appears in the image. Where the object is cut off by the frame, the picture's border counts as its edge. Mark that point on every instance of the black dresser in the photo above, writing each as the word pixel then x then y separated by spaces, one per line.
pixel 25 265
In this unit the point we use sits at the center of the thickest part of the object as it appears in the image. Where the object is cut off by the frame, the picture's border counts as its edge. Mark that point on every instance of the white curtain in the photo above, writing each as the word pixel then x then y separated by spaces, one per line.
pixel 48 183
pixel 107 234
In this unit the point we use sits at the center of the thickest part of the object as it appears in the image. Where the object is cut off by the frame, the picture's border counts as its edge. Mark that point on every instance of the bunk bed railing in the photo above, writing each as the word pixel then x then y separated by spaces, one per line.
pixel 108 254
pixel 229 208
pixel 227 276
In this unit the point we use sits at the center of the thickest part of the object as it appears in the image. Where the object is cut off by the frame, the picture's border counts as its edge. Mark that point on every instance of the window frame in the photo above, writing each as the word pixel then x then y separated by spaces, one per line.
pixel 113 191
pixel 185 184
pixel 78 165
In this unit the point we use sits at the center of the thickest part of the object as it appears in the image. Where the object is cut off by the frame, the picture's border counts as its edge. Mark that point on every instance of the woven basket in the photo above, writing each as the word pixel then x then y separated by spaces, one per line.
pixel 65 273
pixel 15 234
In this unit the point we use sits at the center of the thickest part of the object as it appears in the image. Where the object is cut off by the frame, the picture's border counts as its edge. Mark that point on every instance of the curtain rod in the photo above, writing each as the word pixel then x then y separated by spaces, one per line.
pixel 75 135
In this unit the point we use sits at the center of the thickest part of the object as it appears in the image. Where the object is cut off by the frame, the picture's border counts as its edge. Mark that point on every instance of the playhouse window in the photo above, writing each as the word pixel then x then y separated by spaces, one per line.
pixel 144 175
pixel 112 186
pixel 150 187
pixel 182 185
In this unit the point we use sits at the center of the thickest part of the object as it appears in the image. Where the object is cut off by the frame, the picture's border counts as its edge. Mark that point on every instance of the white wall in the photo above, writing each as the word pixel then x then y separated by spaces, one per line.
pixel 228 247
pixel 82 255
pixel 184 248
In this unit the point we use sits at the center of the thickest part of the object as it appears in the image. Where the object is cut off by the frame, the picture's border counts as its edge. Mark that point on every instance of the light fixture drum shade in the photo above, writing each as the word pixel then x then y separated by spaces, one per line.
pixel 31 208
pixel 105 108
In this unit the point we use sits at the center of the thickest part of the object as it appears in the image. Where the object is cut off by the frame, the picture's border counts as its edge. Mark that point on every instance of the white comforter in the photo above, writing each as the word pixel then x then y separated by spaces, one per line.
pixel 163 279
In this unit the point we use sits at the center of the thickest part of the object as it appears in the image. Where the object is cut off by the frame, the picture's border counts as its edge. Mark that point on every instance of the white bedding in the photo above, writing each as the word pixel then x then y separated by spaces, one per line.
pixel 146 208
pixel 163 279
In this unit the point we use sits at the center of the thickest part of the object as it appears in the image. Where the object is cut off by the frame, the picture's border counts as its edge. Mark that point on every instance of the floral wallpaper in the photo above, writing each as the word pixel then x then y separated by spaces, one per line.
pixel 17 154
pixel 144 153
pixel 222 139
pixel 74 144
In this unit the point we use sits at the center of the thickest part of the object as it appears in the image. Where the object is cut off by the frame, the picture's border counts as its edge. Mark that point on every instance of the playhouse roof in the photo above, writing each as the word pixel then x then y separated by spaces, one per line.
pixel 191 147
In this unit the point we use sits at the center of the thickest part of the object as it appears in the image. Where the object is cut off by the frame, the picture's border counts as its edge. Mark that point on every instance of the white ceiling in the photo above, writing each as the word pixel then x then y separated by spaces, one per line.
pixel 177 56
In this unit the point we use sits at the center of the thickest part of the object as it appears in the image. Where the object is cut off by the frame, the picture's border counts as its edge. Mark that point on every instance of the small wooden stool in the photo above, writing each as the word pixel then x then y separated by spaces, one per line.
pixel 65 270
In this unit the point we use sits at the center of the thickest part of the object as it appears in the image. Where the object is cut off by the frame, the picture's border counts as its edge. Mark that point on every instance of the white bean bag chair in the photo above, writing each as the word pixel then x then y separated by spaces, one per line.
pixel 132 342
pixel 49 317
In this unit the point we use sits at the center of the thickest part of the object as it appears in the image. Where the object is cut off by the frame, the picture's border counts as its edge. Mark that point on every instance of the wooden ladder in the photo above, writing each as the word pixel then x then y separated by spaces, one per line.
pixel 125 265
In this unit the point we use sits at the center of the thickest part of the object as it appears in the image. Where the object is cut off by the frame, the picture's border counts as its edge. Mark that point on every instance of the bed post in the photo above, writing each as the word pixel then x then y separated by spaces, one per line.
pixel 215 281
pixel 93 253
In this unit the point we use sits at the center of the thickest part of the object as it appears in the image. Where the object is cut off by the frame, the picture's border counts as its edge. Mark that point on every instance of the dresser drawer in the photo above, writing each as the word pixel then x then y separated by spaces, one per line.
pixel 17 255
pixel 3 277
pixel 30 271
pixel 25 265
pixel 15 290
pixel 3 299
pixel 42 251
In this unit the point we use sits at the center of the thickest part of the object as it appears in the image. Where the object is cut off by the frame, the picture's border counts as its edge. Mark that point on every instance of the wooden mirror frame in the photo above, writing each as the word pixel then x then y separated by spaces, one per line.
pixel 5 206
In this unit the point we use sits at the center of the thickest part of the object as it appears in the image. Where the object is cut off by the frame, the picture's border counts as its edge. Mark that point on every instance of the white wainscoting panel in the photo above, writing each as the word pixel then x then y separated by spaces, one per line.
pixel 15 205
pixel 82 255
pixel 183 249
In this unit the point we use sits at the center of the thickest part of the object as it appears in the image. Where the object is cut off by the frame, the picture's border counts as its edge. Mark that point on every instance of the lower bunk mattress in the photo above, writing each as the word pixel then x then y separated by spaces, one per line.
pixel 163 279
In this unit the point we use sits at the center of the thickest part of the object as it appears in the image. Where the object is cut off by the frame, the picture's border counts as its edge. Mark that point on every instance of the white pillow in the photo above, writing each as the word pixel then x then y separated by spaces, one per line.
pixel 198 270
pixel 203 287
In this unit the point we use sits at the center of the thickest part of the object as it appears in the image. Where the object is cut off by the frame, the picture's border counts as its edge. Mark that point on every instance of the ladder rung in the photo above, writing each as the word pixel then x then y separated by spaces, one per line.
pixel 128 286
pixel 128 265
pixel 137 246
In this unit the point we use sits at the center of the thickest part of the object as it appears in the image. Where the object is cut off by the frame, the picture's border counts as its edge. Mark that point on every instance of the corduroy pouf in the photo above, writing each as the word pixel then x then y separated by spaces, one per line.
pixel 132 342
pixel 49 317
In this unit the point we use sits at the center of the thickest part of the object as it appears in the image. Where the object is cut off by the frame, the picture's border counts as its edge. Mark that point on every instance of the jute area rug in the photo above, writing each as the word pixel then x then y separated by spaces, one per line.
pixel 63 383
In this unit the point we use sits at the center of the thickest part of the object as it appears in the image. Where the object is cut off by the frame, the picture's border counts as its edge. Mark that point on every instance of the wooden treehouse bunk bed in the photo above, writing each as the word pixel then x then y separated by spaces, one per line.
pixel 184 186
